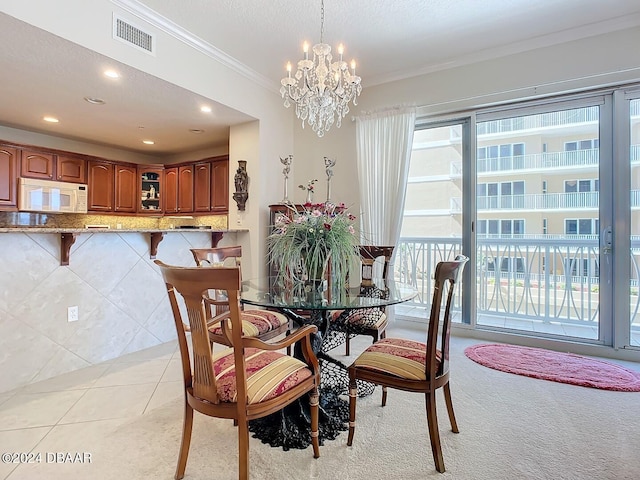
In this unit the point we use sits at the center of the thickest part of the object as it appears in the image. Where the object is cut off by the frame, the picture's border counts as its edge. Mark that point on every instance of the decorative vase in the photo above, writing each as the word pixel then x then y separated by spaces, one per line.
pixel 309 196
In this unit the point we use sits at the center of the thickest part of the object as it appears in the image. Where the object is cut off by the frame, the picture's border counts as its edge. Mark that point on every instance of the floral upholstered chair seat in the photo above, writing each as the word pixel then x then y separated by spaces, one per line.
pixel 269 374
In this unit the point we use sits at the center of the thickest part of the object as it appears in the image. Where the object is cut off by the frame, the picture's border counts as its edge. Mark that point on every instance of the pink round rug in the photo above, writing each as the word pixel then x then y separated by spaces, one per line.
pixel 555 366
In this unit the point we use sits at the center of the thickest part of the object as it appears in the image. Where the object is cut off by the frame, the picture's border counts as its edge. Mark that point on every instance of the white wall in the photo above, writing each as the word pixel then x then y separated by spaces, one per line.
pixel 588 63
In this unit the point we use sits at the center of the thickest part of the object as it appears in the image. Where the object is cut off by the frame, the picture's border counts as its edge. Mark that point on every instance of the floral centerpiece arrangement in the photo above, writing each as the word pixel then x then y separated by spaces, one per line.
pixel 309 188
pixel 308 241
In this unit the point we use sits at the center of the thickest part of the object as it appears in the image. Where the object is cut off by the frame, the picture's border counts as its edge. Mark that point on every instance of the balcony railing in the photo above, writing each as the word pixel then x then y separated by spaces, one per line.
pixel 543 279
pixel 541 201
pixel 553 119
pixel 541 161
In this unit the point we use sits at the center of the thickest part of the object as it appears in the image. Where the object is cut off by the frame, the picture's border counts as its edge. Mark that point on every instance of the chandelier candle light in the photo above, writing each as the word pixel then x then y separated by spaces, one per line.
pixel 321 89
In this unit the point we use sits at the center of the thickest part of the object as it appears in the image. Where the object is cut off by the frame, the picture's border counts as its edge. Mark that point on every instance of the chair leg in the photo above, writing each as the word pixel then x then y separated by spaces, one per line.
pixel 347 345
pixel 384 395
pixel 243 450
pixel 353 395
pixel 187 427
pixel 447 398
pixel 434 434
pixel 314 402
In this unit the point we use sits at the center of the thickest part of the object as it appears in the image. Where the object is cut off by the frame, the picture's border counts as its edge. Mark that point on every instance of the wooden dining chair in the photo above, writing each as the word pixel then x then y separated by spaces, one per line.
pixel 415 366
pixel 372 321
pixel 247 381
pixel 259 323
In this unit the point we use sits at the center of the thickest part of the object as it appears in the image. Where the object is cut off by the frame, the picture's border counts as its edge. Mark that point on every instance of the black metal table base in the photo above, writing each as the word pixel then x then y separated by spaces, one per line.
pixel 291 426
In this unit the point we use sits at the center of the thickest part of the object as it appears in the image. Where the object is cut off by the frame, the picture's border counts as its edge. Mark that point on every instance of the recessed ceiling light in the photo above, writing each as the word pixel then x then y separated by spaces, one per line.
pixel 148 142
pixel 94 101
pixel 205 109
pixel 196 130
pixel 112 74
pixel 50 119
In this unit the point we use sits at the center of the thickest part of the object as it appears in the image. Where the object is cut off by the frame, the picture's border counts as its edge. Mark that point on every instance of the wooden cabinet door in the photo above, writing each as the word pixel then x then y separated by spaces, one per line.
pixel 185 189
pixel 220 186
pixel 37 165
pixel 171 190
pixel 100 186
pixel 126 188
pixel 8 178
pixel 71 169
pixel 151 189
pixel 202 187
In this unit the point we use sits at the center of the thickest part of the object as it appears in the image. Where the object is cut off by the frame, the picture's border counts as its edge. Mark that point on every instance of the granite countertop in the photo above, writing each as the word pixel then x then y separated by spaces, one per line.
pixel 115 230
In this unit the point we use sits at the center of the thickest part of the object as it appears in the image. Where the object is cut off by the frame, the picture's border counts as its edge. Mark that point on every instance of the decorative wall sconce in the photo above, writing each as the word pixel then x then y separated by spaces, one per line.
pixel 242 185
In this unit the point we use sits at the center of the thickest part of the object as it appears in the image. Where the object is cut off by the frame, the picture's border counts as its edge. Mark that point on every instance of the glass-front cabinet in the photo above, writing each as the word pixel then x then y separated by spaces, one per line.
pixel 151 186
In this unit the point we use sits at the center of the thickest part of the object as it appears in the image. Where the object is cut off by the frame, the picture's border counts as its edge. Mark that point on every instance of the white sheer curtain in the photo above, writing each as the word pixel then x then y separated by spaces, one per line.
pixel 384 142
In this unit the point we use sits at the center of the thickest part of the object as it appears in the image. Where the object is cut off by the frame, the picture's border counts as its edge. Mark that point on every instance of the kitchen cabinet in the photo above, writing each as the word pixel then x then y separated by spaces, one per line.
pixel 202 187
pixel 178 187
pixel 8 178
pixel 185 189
pixel 101 190
pixel 51 166
pixel 150 188
pixel 171 190
pixel 70 168
pixel 220 185
pixel 126 188
pixel 37 165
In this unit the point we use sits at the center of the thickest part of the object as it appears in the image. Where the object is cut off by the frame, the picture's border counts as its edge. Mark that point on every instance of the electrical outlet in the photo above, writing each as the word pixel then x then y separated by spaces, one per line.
pixel 72 314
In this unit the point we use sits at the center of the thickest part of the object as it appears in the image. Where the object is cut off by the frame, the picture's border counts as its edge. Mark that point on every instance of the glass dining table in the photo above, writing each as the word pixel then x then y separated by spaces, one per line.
pixel 312 303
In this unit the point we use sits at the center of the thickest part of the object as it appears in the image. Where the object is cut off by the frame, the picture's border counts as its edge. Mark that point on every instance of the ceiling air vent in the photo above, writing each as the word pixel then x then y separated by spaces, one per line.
pixel 126 32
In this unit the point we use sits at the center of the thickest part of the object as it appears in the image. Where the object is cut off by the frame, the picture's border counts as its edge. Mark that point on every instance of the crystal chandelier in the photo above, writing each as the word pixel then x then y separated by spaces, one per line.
pixel 320 89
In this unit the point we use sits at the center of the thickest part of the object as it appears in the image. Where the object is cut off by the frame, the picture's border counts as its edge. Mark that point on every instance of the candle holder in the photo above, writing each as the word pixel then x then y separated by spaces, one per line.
pixel 328 165
pixel 286 161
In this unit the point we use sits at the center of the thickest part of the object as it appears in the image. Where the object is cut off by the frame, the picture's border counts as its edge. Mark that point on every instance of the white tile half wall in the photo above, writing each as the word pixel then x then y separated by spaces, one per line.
pixel 120 295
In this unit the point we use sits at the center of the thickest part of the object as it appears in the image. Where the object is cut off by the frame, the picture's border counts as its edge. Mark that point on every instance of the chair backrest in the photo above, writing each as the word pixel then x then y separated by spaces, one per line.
pixel 368 255
pixel 447 274
pixel 192 283
pixel 207 257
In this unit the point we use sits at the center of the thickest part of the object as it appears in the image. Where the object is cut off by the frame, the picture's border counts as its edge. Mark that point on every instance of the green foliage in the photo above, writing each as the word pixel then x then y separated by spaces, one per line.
pixel 303 241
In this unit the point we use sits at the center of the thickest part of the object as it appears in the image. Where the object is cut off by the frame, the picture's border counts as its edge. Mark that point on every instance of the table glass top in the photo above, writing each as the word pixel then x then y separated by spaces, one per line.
pixel 268 292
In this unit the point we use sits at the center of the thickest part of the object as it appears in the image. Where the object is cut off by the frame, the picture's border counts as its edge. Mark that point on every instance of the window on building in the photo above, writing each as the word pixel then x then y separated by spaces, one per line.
pixel 586 185
pixel 581 226
pixel 503 228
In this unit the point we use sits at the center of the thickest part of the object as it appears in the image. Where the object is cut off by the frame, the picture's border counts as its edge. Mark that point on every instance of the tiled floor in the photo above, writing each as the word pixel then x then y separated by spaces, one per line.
pixel 48 415
pixel 73 413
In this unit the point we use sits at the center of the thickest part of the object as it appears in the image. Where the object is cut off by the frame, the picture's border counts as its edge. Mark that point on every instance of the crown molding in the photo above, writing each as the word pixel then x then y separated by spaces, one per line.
pixel 153 18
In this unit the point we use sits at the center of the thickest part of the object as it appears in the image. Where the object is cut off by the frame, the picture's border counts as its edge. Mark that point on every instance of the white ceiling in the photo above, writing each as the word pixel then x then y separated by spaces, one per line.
pixel 390 39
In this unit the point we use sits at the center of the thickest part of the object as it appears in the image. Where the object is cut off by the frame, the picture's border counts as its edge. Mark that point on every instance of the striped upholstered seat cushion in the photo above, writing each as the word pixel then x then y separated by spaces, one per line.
pixel 361 317
pixel 396 356
pixel 254 322
pixel 269 374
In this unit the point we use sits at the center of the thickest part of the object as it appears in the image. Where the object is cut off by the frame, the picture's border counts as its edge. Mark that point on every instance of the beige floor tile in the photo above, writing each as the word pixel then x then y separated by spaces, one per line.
pixel 83 442
pixel 110 402
pixel 76 380
pixel 165 392
pixel 173 373
pixel 5 396
pixel 20 441
pixel 164 351
pixel 36 410
pixel 132 373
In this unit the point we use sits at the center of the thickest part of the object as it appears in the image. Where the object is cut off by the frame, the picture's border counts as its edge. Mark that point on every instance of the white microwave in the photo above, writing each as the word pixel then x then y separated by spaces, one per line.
pixel 51 197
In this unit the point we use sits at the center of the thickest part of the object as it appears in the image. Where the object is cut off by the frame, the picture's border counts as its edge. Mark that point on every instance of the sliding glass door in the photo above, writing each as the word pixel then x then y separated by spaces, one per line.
pixel 545 198
pixel 538 219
